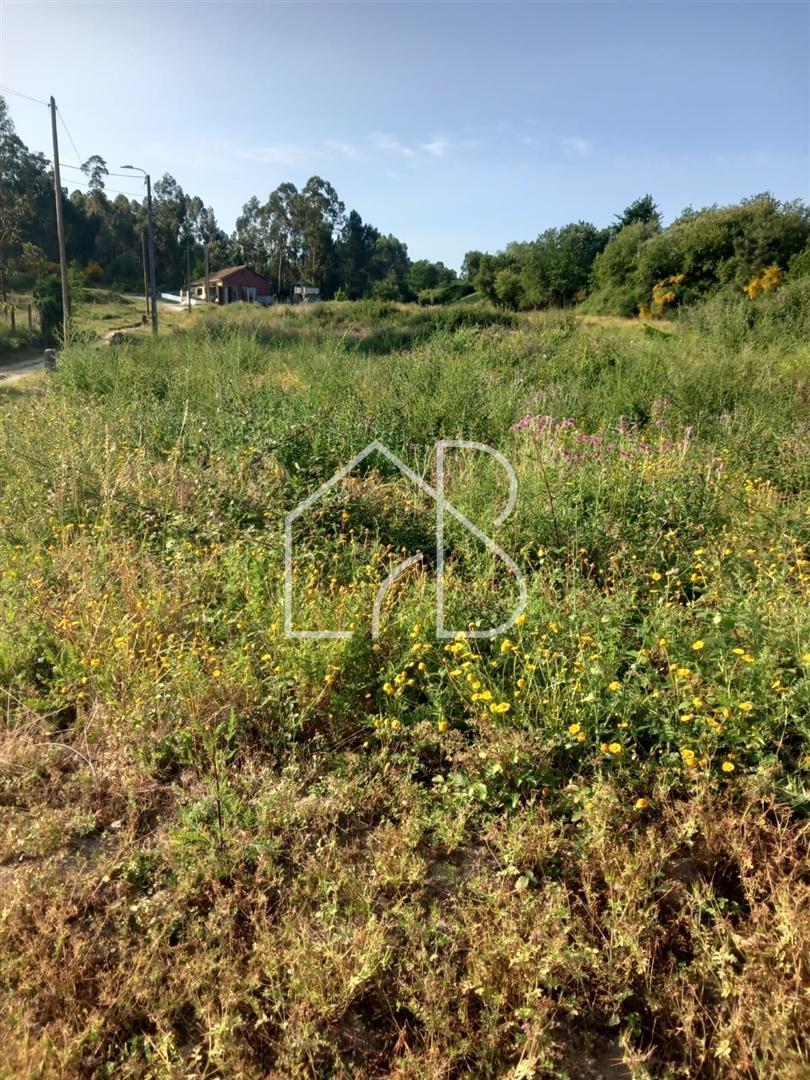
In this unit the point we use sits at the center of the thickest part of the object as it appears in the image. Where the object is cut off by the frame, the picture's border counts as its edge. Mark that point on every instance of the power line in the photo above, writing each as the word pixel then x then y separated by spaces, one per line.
pixel 115 191
pixel 16 93
pixel 63 164
pixel 64 125
pixel 85 183
pixel 80 168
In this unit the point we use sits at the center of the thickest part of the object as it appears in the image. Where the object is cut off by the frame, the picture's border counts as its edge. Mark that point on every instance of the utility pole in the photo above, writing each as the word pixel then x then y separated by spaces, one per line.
pixel 143 262
pixel 60 227
pixel 188 271
pixel 207 286
pixel 152 286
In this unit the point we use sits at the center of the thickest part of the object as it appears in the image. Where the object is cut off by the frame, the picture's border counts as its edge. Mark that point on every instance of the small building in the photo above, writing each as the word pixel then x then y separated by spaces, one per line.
pixel 230 285
pixel 304 293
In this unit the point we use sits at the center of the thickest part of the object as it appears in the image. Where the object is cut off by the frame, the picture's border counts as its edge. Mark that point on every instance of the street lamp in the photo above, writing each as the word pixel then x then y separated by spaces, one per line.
pixel 152 287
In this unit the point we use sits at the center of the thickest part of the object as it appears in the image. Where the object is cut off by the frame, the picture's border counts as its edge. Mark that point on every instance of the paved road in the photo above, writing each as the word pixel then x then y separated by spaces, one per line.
pixel 20 368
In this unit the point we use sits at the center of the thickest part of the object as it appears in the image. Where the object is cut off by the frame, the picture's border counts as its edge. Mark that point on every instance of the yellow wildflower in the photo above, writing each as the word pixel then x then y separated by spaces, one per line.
pixel 483 695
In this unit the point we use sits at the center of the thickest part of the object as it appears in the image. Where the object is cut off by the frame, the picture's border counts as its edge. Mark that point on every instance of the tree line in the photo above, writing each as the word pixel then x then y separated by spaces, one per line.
pixel 295 235
pixel 634 265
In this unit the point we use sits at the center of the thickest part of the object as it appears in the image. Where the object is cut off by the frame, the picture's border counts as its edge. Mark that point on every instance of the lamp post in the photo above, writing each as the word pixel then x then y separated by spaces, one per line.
pixel 152 287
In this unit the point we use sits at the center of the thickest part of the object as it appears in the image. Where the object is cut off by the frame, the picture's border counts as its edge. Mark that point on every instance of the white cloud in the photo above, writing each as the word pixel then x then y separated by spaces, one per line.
pixel 576 146
pixel 292 154
pixel 390 145
pixel 343 149
pixel 289 154
pixel 437 147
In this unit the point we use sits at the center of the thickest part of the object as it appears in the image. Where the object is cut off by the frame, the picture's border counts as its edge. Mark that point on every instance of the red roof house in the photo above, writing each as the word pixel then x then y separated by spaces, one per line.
pixel 231 284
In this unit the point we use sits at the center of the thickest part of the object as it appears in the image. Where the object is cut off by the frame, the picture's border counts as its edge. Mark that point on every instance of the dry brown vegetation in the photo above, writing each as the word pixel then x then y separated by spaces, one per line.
pixel 344 931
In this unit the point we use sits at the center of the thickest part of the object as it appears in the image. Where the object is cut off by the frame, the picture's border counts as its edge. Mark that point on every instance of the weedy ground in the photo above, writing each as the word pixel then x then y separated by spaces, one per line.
pixel 97 313
pixel 579 849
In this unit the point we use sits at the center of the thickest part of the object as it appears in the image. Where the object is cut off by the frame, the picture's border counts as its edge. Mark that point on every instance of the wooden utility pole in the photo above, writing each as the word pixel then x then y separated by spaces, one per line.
pixel 207 286
pixel 152 285
pixel 60 227
pixel 143 260
pixel 188 271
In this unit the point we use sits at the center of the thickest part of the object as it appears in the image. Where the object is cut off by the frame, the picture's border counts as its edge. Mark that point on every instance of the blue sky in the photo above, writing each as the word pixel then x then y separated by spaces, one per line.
pixel 453 125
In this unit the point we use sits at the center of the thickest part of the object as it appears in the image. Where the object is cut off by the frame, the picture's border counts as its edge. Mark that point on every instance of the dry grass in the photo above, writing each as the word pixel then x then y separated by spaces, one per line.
pixel 335 927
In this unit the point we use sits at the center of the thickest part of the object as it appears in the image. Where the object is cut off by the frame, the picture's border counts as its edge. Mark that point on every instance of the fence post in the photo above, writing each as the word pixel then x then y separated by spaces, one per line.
pixel 30 323
pixel 13 319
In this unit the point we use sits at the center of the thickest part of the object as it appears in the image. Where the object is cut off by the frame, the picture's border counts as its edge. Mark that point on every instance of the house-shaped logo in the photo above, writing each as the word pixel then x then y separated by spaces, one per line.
pixel 442 507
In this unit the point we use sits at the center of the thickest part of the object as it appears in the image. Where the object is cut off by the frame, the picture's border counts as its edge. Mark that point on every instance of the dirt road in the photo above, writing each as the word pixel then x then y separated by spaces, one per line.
pixel 18 369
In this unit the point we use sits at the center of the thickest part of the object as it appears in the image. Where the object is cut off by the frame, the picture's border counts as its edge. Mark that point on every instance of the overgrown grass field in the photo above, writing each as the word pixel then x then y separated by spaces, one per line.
pixel 577 849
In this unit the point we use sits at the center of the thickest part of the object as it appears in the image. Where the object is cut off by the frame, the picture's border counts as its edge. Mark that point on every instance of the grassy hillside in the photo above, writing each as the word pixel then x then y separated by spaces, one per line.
pixel 577 849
